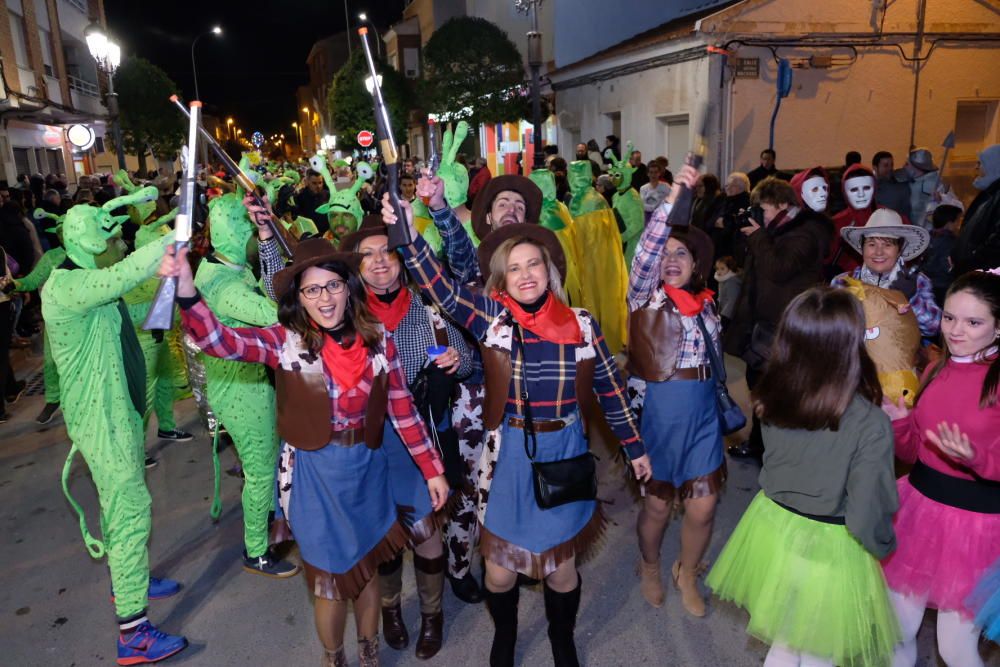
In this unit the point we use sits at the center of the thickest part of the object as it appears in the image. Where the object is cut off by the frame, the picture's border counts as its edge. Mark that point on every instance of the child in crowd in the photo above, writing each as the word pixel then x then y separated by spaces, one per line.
pixel 727 274
pixel 803 560
pixel 949 505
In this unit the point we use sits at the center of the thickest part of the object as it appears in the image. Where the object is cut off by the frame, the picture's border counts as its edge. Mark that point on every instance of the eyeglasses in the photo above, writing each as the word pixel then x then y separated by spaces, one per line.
pixel 333 287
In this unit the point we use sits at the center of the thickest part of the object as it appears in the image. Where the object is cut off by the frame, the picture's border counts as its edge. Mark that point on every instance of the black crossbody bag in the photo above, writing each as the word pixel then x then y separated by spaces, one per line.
pixel 731 417
pixel 555 482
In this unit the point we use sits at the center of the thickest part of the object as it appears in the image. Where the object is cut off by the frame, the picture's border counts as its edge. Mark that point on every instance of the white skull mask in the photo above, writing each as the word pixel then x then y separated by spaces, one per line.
pixel 860 190
pixel 815 192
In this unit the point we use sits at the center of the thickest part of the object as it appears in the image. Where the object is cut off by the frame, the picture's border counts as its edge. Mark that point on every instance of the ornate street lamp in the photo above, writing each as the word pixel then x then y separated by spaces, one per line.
pixel 108 56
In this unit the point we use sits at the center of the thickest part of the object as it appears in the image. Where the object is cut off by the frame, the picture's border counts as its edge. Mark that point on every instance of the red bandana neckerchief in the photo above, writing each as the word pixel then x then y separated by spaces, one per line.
pixel 390 314
pixel 555 321
pixel 688 304
pixel 345 364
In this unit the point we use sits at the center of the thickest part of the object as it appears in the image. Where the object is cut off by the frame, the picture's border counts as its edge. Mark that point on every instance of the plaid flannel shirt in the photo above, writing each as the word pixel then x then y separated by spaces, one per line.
pixel 922 303
pixel 644 282
pixel 550 367
pixel 458 249
pixel 262 345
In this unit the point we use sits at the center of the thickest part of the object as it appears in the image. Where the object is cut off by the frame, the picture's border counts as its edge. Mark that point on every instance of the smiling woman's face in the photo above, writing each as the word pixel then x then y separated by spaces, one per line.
pixel 325 309
pixel 527 276
pixel 677 265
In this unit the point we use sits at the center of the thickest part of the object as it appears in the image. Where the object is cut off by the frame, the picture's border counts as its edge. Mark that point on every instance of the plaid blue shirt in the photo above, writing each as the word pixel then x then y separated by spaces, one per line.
pixel 458 249
pixel 551 367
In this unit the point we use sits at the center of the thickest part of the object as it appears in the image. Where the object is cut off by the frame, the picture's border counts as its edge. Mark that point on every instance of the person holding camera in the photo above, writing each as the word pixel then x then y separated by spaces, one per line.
pixel 785 248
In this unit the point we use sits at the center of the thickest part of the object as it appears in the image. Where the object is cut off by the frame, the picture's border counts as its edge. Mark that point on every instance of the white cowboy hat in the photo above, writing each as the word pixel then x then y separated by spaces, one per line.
pixel 886 223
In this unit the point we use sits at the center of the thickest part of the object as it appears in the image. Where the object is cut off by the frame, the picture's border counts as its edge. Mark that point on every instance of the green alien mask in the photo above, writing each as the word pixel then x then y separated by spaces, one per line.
pixel 139 212
pixel 621 171
pixel 454 175
pixel 87 229
pixel 230 227
pixel 546 182
pixel 343 207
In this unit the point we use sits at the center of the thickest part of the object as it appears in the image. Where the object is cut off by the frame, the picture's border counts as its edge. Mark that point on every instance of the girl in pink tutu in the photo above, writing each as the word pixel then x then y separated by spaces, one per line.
pixel 948 524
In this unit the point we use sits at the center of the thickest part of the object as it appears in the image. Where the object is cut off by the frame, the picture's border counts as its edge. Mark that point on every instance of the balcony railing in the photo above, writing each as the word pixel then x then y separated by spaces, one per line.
pixel 84 87
pixel 79 4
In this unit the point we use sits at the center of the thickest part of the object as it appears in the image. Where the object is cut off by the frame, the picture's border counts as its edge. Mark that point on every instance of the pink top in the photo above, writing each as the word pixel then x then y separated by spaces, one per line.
pixel 953 397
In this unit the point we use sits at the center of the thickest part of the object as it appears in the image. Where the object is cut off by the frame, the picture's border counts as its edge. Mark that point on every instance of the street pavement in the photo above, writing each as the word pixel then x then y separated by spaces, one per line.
pixel 54 599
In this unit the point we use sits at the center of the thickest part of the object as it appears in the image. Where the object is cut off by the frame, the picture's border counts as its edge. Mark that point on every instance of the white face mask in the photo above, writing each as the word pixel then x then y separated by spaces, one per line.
pixel 815 192
pixel 860 191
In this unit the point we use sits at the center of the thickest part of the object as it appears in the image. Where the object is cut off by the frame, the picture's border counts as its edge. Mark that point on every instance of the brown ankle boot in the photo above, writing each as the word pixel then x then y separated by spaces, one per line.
pixel 687 582
pixel 335 658
pixel 390 583
pixel 429 573
pixel 650 582
pixel 368 652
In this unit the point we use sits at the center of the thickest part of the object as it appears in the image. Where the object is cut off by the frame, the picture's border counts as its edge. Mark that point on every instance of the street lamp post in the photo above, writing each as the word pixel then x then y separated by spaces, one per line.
pixel 229 127
pixel 108 55
pixel 298 137
pixel 216 30
pixel 534 63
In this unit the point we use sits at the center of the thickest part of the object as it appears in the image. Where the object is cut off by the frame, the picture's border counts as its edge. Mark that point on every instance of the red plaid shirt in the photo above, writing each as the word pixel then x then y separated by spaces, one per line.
pixel 262 345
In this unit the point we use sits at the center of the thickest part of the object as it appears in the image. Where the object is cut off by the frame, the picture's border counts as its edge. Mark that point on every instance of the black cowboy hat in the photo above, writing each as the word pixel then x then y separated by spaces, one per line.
pixel 312 252
pixel 371 225
pixel 484 201
pixel 532 232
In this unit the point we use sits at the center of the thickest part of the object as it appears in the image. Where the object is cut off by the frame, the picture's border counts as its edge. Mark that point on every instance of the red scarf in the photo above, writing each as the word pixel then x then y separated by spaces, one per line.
pixel 555 321
pixel 345 364
pixel 390 314
pixel 689 304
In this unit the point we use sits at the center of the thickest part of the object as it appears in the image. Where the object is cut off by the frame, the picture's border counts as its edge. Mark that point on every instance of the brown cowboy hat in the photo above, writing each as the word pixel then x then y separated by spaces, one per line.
pixel 484 201
pixel 535 233
pixel 700 244
pixel 371 225
pixel 312 252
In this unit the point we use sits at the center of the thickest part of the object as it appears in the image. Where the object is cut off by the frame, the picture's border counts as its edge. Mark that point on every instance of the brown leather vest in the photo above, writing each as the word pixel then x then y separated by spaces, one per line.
pixel 304 409
pixel 654 341
pixel 499 372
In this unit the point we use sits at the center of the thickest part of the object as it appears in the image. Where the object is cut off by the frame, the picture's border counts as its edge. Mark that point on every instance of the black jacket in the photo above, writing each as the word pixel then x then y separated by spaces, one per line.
pixel 781 263
pixel 978 245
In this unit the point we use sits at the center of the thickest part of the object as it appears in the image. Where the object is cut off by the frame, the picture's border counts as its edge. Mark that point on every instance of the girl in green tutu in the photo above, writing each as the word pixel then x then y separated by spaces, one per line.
pixel 803 560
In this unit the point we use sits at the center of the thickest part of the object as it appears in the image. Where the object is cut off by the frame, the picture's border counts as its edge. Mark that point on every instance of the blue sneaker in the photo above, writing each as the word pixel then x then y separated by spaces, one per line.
pixel 159 589
pixel 147 644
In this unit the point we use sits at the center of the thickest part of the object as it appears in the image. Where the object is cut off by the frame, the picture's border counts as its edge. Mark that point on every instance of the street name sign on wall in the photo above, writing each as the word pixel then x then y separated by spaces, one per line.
pixel 747 68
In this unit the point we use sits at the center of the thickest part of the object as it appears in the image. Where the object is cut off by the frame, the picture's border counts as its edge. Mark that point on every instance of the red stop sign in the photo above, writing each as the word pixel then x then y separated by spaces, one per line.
pixel 365 138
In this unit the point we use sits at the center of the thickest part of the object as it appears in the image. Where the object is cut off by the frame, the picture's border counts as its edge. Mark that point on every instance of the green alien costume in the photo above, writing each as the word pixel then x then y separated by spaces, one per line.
pixel 34 281
pixel 343 207
pixel 605 279
pixel 100 365
pixel 556 217
pixel 239 393
pixel 161 377
pixel 627 203
pixel 455 175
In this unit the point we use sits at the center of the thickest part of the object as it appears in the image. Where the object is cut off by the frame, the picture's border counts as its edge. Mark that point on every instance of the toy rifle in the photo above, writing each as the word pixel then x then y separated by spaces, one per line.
pixel 244 181
pixel 434 161
pixel 680 213
pixel 399 234
pixel 161 312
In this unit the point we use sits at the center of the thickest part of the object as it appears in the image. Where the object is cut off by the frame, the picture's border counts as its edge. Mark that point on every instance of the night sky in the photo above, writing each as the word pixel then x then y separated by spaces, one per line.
pixel 252 70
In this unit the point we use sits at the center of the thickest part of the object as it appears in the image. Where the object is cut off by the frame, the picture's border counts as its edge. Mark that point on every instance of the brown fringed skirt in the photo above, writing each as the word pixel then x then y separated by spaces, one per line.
pixel 539 565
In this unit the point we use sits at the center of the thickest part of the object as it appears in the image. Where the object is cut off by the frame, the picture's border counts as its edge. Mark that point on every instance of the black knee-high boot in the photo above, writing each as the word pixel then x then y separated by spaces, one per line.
pixel 503 609
pixel 561 610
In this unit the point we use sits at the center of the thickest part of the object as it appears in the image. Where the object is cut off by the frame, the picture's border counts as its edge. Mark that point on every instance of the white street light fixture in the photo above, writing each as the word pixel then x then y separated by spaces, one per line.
pixel 108 56
pixel 369 86
pixel 217 30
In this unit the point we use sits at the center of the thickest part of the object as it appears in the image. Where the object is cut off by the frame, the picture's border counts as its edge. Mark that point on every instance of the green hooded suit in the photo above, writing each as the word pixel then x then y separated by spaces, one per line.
pixel 240 393
pixel 100 364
